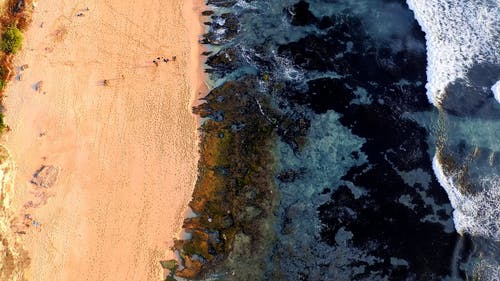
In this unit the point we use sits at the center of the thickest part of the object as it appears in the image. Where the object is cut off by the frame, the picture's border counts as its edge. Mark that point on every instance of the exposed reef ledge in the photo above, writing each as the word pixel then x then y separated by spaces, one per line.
pixel 235 194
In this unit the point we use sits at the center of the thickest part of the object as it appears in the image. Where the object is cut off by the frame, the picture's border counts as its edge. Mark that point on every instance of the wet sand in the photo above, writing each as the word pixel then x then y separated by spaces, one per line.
pixel 127 152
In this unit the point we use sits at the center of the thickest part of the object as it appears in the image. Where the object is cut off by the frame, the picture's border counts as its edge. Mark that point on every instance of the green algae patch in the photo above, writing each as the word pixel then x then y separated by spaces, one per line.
pixel 234 197
pixel 171 266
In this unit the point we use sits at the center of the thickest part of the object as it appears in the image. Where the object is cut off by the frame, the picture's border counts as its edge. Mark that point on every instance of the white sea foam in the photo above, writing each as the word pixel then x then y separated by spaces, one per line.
pixel 496 91
pixel 287 69
pixel 459 34
pixel 477 214
pixel 245 5
pixel 220 21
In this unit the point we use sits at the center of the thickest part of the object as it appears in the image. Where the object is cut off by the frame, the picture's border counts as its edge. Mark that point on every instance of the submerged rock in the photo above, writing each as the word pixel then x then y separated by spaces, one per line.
pixel 291 175
pixel 233 197
pixel 222 3
pixel 301 15
pixel 224 60
pixel 223 29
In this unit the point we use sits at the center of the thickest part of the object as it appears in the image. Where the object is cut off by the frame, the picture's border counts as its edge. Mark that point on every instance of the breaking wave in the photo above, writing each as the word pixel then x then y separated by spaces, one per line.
pixel 463 70
pixel 455 43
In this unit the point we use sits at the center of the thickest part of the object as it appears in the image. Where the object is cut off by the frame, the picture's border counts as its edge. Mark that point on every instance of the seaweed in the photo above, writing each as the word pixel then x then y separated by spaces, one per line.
pixel 234 196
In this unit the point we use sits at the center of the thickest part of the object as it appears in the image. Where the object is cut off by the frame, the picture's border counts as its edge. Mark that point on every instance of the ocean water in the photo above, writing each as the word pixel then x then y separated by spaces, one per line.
pixel 463 50
pixel 399 177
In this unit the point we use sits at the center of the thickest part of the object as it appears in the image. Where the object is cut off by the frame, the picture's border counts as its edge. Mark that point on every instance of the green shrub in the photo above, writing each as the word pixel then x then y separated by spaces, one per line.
pixel 3 126
pixel 11 40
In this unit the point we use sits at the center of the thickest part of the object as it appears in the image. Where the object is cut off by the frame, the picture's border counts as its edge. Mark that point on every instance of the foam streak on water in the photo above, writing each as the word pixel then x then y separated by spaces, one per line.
pixel 459 34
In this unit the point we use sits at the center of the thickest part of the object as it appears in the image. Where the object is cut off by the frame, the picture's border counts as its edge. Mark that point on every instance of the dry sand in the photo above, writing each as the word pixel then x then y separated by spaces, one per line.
pixel 127 152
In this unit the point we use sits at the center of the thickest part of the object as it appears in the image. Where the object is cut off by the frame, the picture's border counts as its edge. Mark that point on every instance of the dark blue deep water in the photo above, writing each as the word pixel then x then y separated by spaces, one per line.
pixel 360 200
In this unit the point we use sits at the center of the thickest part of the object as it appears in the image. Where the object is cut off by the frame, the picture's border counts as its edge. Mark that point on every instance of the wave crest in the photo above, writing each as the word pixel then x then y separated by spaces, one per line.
pixel 455 42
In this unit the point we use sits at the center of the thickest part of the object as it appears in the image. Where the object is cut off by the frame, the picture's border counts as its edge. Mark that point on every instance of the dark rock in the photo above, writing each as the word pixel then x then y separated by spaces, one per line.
pixel 18 7
pixel 386 228
pixel 293 130
pixel 224 60
pixel 301 15
pixel 222 3
pixel 291 175
pixel 326 22
pixel 228 23
pixel 326 191
pixel 400 140
pixel 320 53
pixel 325 94
pixel 207 13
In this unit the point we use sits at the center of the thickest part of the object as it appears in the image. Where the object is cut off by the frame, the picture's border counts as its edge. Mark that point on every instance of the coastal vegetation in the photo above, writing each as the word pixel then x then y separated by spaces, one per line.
pixel 3 126
pixel 12 39
pixel 15 16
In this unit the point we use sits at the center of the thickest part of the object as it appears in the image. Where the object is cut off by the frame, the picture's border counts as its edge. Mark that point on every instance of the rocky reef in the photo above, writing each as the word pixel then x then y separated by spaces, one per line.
pixel 312 165
pixel 383 224
pixel 234 196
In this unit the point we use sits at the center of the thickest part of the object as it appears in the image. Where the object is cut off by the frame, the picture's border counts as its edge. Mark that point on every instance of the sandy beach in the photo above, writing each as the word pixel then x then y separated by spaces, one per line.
pixel 126 149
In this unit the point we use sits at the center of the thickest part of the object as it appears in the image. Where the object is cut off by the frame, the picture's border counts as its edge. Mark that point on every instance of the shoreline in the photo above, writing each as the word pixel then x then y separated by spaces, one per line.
pixel 200 91
pixel 234 200
pixel 13 258
pixel 97 136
